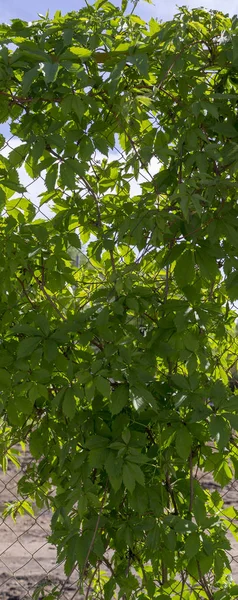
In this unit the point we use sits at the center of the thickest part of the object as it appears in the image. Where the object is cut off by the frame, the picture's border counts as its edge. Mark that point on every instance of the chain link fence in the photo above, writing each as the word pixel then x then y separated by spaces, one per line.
pixel 28 562
pixel 28 566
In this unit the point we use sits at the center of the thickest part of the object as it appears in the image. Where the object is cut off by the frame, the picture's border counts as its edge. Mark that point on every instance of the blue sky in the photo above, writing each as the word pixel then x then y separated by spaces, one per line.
pixel 28 9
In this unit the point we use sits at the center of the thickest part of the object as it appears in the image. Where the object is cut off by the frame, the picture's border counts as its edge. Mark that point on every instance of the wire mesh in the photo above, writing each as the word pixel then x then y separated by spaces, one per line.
pixel 27 560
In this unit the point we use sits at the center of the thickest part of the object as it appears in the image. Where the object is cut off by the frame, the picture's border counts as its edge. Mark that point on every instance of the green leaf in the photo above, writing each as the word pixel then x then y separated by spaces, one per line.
pixel 184 442
pixel 37 444
pixel 196 201
pixel 235 49
pixel 27 346
pixel 184 271
pixel 223 473
pixel 2 197
pixel 184 525
pixel 227 129
pixel 50 350
pixel 124 4
pixel 86 148
pixel 103 386
pixel 97 441
pixel 192 545
pixel 78 106
pixel 50 71
pixel 67 104
pixel 69 405
pixel 5 379
pixel 80 52
pixel 50 178
pixel 67 176
pixel 144 396
pixel 220 431
pixel 17 156
pixel 109 588
pixel 113 466
pixel 191 341
pixel 43 323
pixel 28 78
pixel 200 512
pixel 101 144
pixel 137 473
pixel 154 26
pixel 180 381
pixel 126 436
pixel 74 240
pixel 119 399
pixel 128 477
pixel 206 263
pixel 41 375
pixel 184 203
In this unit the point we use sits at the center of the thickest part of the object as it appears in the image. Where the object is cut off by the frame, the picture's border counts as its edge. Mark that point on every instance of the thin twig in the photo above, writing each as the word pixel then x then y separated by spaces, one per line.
pixel 204 583
pixel 25 292
pixel 89 584
pixel 49 298
pixel 91 190
pixel 108 565
pixel 112 260
pixel 171 493
pixel 183 584
pixel 164 573
pixel 191 482
pixel 166 290
pixel 94 533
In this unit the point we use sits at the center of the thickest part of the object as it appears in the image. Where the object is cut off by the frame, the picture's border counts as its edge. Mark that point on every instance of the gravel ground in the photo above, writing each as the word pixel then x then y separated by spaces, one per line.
pixel 27 559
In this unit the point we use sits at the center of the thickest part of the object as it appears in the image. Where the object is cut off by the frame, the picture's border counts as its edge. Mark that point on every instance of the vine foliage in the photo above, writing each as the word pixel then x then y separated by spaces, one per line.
pixel 115 370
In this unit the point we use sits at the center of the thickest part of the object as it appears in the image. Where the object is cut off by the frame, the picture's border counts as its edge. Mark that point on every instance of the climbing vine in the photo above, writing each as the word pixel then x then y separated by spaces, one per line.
pixel 115 368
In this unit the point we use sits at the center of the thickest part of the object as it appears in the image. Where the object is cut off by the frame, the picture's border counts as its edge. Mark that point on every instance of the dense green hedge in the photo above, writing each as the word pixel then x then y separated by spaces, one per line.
pixel 116 372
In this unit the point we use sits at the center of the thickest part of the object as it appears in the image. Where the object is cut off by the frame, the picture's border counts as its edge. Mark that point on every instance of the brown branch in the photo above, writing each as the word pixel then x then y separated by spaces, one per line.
pixel 89 584
pixel 191 482
pixel 166 289
pixel 180 174
pixel 91 190
pixel 174 98
pixel 86 183
pixel 151 318
pixel 99 223
pixel 112 260
pixel 108 565
pixel 48 147
pixel 204 583
pixel 49 298
pixel 25 292
pixel 211 290
pixel 171 493
pixel 95 532
pixel 183 584
pixel 164 573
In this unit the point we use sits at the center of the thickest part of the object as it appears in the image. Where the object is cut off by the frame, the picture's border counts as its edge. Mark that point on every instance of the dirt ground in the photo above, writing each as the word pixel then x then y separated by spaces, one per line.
pixel 27 560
